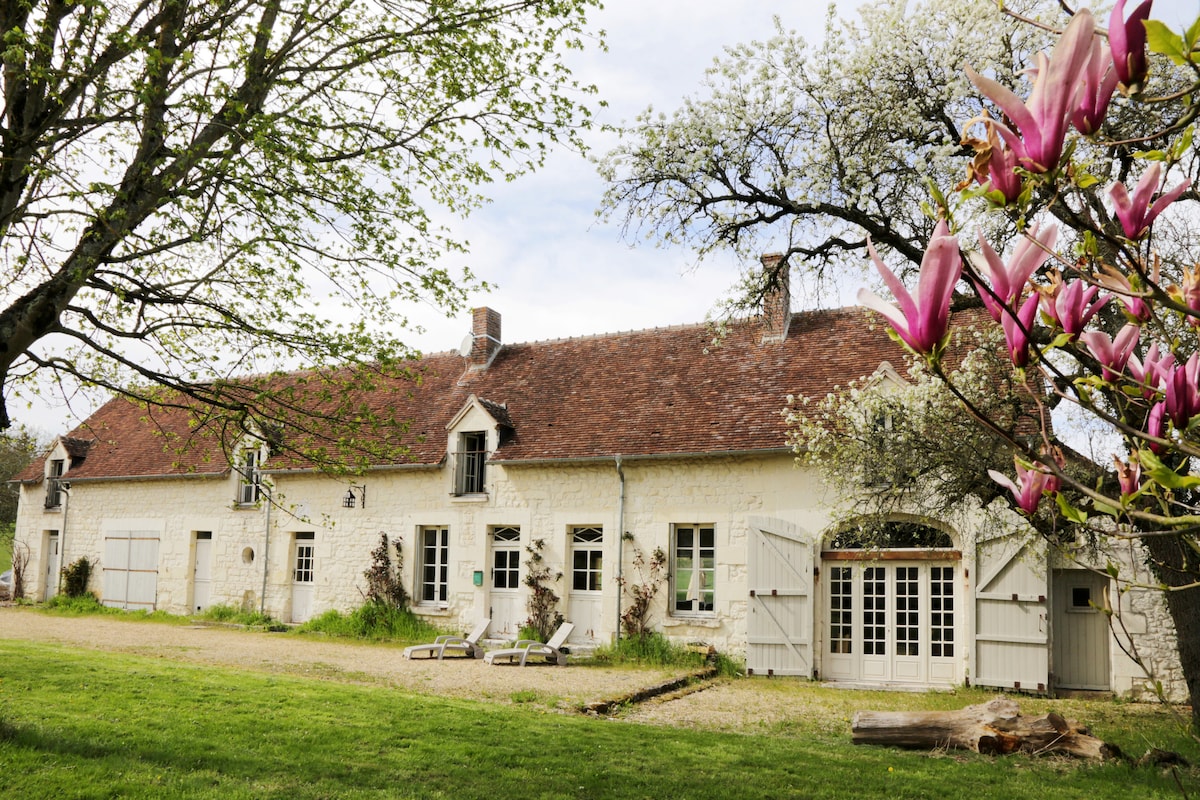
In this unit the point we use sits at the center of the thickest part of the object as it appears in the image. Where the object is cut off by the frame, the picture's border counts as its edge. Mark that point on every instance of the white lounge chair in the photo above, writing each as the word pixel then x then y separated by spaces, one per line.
pixel 458 645
pixel 524 648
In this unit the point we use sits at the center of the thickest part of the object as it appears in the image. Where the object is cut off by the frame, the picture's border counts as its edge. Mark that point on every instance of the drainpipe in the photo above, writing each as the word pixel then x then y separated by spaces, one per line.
pixel 65 488
pixel 262 604
pixel 620 543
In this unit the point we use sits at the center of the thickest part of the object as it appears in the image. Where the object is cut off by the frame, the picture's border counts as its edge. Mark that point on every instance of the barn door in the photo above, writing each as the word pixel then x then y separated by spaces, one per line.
pixel 780 618
pixel 1011 642
pixel 131 570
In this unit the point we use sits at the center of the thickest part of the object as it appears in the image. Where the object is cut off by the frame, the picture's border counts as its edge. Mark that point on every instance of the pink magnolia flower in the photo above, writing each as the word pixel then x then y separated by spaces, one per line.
pixel 1127 38
pixel 1155 426
pixel 1152 372
pixel 1041 121
pixel 921 323
pixel 1071 305
pixel 1016 330
pixel 1031 484
pixel 1182 392
pixel 1053 482
pixel 994 165
pixel 1129 474
pixel 1099 83
pixel 1135 307
pixel 1009 279
pixel 1189 293
pixel 1137 214
pixel 1113 354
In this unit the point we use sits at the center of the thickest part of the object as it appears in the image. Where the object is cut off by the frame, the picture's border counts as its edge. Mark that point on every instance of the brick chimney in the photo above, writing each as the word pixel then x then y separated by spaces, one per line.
pixel 777 300
pixel 485 331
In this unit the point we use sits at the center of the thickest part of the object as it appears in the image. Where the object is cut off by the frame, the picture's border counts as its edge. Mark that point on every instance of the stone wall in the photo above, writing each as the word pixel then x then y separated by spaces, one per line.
pixel 544 501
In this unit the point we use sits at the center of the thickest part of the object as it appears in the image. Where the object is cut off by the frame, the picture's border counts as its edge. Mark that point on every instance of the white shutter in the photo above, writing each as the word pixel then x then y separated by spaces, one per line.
pixel 130 569
pixel 780 614
pixel 1011 640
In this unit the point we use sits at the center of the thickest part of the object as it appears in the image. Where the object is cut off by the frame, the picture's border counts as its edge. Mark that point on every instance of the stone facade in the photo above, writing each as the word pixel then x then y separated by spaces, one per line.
pixel 597 447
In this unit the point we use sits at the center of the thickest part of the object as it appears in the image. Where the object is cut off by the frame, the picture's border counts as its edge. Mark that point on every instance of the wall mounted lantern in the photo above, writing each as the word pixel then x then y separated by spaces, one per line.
pixel 355 494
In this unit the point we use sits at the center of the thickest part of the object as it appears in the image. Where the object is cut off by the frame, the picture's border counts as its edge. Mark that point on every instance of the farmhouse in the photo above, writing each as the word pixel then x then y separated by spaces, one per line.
pixel 601 447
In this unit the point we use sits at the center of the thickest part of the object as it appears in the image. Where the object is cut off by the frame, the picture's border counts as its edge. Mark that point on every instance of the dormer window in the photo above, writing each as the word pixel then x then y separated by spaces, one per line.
pixel 54 491
pixel 469 463
pixel 250 483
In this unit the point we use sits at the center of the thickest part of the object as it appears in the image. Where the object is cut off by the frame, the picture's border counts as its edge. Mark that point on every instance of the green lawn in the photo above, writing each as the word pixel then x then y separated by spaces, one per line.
pixel 85 724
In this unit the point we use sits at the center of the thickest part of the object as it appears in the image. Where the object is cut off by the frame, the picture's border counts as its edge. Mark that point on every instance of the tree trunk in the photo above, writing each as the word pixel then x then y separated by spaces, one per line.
pixel 995 727
pixel 1177 564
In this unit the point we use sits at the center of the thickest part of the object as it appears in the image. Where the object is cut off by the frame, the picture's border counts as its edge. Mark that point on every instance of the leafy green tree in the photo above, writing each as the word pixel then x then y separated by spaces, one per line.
pixel 18 447
pixel 183 184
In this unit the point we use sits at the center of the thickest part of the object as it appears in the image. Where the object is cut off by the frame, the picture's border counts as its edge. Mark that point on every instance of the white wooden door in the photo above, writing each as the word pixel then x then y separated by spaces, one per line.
pixel 504 601
pixel 130 568
pixel 585 597
pixel 53 567
pixel 202 571
pixel 303 577
pixel 891 622
pixel 1081 635
pixel 1012 645
pixel 780 614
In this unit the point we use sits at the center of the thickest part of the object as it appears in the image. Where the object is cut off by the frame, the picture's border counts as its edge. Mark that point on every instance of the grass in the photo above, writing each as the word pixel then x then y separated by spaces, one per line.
pixel 658 651
pixel 374 622
pixel 86 724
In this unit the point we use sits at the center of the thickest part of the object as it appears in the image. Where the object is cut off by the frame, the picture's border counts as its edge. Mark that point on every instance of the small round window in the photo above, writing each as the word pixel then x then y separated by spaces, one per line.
pixel 248 555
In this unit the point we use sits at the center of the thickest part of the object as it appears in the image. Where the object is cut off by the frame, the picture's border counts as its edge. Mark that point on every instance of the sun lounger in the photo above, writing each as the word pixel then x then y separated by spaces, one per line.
pixel 523 649
pixel 455 645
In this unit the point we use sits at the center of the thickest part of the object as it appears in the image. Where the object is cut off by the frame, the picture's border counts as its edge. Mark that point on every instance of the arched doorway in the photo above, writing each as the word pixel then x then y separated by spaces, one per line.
pixel 892 605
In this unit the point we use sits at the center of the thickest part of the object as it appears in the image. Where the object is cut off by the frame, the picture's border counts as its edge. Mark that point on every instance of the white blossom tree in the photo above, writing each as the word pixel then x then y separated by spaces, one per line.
pixel 808 150
pixel 1073 230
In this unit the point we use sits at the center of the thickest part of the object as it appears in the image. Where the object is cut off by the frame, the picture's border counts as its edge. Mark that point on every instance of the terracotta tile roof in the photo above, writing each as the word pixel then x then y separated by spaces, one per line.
pixel 655 392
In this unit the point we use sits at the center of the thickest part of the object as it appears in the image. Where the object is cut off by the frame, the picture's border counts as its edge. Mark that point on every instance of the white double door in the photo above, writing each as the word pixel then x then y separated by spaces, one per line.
pixel 891 622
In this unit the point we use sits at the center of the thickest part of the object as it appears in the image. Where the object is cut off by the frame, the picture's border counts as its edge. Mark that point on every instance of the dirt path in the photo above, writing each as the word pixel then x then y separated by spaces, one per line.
pixel 358 663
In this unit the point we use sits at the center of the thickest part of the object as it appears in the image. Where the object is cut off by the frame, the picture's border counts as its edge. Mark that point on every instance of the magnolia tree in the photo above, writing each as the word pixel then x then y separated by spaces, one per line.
pixel 191 191
pixel 1095 316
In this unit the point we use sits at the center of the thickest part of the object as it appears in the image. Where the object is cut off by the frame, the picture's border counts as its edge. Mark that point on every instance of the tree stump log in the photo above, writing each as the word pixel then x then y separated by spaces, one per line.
pixel 995 727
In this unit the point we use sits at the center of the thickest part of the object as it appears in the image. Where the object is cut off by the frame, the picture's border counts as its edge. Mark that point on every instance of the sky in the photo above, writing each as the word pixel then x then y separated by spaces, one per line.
pixel 556 269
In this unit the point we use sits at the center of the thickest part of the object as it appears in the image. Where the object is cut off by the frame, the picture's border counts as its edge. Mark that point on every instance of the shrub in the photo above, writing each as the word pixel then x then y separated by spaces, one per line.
pixel 651 577
pixel 656 650
pixel 234 615
pixel 78 606
pixel 542 604
pixel 76 577
pixel 383 578
pixel 20 563
pixel 374 621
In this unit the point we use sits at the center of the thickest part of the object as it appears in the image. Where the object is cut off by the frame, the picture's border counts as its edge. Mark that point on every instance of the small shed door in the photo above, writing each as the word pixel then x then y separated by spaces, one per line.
pixel 780 618
pixel 131 570
pixel 1081 635
pixel 1012 648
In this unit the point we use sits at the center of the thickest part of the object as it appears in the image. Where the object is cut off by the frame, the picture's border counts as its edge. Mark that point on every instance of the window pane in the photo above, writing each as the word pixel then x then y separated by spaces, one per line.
pixel 694 568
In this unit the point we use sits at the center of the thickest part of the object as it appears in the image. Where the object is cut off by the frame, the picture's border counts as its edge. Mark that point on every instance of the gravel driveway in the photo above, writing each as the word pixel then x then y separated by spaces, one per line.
pixel 335 660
